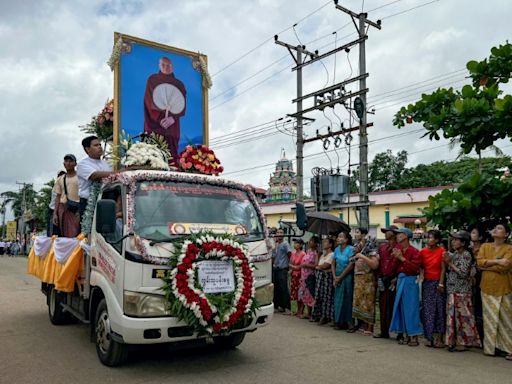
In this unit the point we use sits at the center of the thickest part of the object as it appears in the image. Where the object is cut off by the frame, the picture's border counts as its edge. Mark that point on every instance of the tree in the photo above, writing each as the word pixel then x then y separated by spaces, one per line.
pixel 388 171
pixel 480 199
pixel 477 115
pixel 384 172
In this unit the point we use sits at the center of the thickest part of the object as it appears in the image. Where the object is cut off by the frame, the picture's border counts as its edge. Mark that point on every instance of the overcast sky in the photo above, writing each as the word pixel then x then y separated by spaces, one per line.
pixel 54 76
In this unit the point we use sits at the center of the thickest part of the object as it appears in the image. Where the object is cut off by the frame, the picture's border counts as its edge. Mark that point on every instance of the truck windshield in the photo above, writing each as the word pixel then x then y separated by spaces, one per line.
pixel 164 210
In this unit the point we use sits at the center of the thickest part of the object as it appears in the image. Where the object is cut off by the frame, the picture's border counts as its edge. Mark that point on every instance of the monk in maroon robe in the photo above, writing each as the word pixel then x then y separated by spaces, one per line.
pixel 164 104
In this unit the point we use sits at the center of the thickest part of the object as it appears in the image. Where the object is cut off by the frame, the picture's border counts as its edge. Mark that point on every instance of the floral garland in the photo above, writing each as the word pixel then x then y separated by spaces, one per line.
pixel 199 159
pixel 210 313
pixel 130 179
pixel 88 214
pixel 207 80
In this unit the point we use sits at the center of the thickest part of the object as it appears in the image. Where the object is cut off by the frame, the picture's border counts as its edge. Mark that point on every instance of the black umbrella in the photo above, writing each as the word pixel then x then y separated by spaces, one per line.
pixel 323 223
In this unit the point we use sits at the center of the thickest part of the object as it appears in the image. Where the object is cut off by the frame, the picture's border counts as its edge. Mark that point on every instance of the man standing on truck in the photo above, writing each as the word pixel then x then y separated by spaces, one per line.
pixel 90 169
pixel 280 258
pixel 66 187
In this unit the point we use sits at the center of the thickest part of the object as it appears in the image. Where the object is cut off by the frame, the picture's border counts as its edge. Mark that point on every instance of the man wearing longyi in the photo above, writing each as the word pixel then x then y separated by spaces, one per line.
pixel 164 104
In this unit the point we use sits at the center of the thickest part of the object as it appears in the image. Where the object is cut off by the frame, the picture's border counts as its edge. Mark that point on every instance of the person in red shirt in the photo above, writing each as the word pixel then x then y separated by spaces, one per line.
pixel 387 280
pixel 434 300
pixel 406 311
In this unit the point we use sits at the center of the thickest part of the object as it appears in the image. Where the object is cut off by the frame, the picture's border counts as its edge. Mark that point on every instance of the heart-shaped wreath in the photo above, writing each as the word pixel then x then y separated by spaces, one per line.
pixel 210 313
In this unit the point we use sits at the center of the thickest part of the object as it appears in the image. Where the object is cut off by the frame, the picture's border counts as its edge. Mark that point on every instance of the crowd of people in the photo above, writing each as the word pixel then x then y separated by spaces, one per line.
pixel 9 248
pixel 71 189
pixel 455 295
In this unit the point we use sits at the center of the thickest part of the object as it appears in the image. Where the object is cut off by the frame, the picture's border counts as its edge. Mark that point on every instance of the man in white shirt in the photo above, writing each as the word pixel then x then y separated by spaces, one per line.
pixel 2 247
pixel 90 169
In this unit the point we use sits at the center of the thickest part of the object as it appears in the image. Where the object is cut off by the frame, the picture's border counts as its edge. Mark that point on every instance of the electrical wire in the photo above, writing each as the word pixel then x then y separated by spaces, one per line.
pixel 267 40
pixel 409 9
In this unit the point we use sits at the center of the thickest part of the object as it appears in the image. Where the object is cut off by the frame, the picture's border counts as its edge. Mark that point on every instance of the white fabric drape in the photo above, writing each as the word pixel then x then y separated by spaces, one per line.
pixel 63 248
pixel 42 245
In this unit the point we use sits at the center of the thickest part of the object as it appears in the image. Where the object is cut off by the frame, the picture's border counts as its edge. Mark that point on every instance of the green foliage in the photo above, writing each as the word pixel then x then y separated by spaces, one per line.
pixel 482 197
pixel 388 171
pixel 477 115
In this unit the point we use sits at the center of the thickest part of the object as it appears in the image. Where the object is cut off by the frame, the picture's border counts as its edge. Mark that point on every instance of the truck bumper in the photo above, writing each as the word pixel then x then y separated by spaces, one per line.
pixel 132 330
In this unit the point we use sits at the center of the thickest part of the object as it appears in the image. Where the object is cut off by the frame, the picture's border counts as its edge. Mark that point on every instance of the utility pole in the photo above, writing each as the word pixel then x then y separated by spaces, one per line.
pixel 363 135
pixel 298 57
pixel 329 97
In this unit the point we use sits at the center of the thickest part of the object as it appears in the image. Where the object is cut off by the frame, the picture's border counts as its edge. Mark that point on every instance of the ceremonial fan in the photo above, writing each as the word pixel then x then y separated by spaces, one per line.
pixel 169 98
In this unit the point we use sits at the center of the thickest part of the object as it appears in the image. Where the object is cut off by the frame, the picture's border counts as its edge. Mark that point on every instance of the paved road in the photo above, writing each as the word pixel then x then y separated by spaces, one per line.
pixel 287 351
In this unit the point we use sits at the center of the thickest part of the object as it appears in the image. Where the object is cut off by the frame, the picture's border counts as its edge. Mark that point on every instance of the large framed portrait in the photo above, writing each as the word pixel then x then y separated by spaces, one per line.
pixel 160 89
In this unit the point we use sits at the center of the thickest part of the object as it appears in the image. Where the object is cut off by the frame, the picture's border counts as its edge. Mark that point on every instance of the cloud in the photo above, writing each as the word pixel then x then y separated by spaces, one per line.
pixel 53 74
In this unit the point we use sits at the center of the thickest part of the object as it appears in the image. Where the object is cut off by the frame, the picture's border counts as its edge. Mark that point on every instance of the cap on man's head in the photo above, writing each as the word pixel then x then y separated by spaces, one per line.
pixel 405 231
pixel 70 156
pixel 392 228
pixel 463 235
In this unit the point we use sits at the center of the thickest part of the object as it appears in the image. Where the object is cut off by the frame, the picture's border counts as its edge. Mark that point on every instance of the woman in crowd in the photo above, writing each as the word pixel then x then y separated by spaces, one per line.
pixel 323 310
pixel 366 261
pixel 406 311
pixel 434 303
pixel 343 282
pixel 307 276
pixel 461 332
pixel 295 273
pixel 495 261
pixel 478 237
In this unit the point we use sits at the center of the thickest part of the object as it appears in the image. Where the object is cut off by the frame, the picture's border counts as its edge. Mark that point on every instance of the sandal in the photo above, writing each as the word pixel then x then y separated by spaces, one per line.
pixel 402 341
pixel 367 333
pixel 509 357
pixel 413 342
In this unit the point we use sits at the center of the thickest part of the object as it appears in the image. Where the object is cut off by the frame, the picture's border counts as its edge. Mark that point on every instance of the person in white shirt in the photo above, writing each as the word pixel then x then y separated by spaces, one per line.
pixel 90 169
pixel 2 247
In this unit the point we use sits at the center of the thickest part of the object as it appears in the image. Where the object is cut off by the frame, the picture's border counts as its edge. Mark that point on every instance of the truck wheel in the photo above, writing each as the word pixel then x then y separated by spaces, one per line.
pixel 110 352
pixel 229 342
pixel 55 310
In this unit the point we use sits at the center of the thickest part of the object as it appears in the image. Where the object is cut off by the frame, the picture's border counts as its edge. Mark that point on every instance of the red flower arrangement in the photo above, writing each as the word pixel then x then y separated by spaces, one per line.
pixel 199 159
pixel 102 124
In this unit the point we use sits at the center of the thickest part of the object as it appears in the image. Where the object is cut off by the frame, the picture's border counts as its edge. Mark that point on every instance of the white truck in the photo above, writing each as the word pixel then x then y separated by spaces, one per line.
pixel 119 292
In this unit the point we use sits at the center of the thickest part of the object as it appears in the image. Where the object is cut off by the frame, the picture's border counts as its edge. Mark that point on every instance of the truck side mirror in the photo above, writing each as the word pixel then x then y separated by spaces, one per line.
pixel 302 220
pixel 106 216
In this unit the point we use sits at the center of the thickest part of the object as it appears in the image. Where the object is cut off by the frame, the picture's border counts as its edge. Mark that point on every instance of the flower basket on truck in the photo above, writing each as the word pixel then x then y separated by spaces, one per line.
pixel 169 256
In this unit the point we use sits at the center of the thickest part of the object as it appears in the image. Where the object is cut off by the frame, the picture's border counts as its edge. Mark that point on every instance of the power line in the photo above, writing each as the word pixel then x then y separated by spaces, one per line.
pixel 282 58
pixel 269 39
pixel 409 9
pixel 258 129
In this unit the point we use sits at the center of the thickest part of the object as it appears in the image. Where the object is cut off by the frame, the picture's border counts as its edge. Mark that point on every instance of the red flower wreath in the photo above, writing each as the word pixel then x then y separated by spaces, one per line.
pixel 182 283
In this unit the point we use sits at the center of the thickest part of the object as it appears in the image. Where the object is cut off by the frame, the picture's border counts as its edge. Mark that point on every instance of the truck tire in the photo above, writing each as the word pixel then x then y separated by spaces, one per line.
pixel 55 310
pixel 229 342
pixel 110 352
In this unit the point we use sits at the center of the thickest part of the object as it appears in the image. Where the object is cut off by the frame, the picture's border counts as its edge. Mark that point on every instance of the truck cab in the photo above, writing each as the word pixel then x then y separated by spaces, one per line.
pixel 138 217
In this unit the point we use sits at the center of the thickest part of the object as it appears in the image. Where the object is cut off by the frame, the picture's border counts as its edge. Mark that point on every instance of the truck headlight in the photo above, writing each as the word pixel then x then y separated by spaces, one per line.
pixel 264 295
pixel 145 305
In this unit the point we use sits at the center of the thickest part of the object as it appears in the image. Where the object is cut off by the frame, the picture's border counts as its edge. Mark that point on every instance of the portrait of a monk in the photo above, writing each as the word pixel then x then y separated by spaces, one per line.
pixel 164 105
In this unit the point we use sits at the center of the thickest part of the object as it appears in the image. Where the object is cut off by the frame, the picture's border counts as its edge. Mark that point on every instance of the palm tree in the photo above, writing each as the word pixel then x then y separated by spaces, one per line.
pixel 455 142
